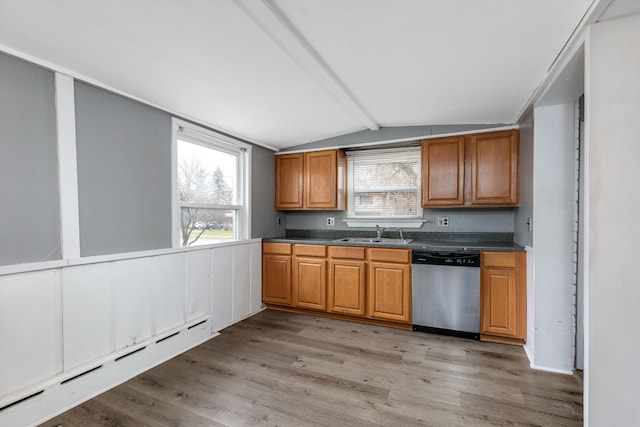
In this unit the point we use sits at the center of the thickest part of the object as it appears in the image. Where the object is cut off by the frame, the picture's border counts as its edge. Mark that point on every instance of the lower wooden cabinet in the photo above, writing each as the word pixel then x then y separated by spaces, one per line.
pixel 374 285
pixel 390 284
pixel 503 297
pixel 310 276
pixel 347 281
pixel 276 273
pixel 370 284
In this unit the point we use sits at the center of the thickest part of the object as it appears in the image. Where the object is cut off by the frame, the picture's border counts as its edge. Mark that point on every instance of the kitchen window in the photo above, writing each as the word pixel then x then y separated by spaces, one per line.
pixel 211 193
pixel 384 187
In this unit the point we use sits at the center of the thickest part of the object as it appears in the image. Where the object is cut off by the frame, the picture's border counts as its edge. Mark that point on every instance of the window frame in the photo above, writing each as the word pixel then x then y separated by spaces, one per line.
pixel 189 132
pixel 409 221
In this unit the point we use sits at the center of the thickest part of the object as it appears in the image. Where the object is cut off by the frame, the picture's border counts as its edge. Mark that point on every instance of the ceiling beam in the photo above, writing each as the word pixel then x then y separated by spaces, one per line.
pixel 278 27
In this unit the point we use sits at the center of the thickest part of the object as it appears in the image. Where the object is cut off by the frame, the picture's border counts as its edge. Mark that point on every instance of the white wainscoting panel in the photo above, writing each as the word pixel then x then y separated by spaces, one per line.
pixel 241 282
pixel 221 287
pixel 131 284
pixel 68 333
pixel 198 276
pixel 30 329
pixel 168 292
pixel 256 277
pixel 86 314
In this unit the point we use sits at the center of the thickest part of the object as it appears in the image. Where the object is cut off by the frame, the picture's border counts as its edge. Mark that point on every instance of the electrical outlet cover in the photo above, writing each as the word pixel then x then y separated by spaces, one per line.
pixel 443 221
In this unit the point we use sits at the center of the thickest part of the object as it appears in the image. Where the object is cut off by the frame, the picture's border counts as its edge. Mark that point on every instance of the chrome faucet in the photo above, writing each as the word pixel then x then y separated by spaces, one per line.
pixel 401 236
pixel 379 231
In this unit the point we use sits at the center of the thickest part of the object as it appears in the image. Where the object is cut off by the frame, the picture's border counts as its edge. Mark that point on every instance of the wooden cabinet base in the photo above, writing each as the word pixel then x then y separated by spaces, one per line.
pixel 501 340
pixel 341 317
pixel 503 290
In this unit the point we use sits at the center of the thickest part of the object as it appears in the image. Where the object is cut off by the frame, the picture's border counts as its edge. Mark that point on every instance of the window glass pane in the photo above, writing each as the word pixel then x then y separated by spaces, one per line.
pixel 386 204
pixel 384 185
pixel 206 175
pixel 210 195
pixel 392 174
pixel 205 226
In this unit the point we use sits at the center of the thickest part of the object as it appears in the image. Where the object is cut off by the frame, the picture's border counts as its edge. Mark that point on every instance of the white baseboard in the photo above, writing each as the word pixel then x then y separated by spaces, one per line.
pixel 554 370
pixel 56 397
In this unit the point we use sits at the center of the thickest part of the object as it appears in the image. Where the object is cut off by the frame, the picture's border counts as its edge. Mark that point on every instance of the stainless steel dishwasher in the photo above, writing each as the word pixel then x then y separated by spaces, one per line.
pixel 446 293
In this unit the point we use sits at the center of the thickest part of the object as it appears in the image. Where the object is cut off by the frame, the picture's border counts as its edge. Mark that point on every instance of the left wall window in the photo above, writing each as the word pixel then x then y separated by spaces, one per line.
pixel 210 186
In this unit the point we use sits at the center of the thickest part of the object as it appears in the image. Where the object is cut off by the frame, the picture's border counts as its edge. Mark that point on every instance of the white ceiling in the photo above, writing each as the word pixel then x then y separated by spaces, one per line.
pixel 288 72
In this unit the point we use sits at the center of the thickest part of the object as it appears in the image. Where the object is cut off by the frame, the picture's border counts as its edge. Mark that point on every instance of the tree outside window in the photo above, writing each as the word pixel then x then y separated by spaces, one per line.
pixel 206 193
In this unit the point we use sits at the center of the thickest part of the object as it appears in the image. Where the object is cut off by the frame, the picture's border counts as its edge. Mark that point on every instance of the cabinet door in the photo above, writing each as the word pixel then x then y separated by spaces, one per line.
pixel 276 279
pixel 320 175
pixel 390 291
pixel 494 168
pixel 347 287
pixel 443 171
pixel 499 302
pixel 310 283
pixel 289 181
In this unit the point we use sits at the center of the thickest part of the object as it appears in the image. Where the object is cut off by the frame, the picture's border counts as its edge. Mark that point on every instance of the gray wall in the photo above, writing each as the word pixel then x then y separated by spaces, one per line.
pixel 124 173
pixel 29 198
pixel 553 237
pixel 461 220
pixel 389 134
pixel 522 234
pixel 263 176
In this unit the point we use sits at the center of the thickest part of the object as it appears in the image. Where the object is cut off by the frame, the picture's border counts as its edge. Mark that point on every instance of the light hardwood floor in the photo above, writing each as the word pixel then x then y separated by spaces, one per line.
pixel 285 369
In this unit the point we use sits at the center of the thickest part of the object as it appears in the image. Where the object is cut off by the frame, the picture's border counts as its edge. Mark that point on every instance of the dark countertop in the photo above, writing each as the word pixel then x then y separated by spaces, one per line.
pixel 439 242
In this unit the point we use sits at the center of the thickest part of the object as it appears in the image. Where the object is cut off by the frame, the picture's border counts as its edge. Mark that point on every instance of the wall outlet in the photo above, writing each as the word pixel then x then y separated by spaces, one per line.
pixel 443 221
pixel 331 221
pixel 278 222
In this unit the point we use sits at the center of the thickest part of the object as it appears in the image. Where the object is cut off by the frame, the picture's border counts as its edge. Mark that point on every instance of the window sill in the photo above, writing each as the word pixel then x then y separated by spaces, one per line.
pixel 384 222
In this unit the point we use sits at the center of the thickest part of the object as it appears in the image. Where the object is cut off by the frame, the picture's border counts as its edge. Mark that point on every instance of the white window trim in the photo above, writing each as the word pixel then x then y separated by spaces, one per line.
pixel 386 223
pixel 397 221
pixel 199 135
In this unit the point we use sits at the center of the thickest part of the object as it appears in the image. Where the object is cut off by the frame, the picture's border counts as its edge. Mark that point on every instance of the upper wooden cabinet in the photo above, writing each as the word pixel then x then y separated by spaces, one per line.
pixel 311 181
pixel 443 171
pixel 494 168
pixel 476 170
pixel 289 179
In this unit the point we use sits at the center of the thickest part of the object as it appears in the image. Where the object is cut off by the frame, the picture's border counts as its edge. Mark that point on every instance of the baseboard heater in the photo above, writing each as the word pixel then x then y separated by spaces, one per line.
pixel 130 353
pixel 81 374
pixel 9 405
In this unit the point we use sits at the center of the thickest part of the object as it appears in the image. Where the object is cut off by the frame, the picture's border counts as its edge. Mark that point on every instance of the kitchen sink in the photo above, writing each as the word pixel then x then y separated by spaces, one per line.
pixel 373 240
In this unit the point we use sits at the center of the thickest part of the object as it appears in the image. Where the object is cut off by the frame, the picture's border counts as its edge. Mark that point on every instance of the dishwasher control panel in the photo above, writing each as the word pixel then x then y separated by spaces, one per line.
pixel 458 259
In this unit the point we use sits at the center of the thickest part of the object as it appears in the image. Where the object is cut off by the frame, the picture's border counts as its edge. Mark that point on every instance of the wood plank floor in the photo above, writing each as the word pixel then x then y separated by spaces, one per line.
pixel 285 369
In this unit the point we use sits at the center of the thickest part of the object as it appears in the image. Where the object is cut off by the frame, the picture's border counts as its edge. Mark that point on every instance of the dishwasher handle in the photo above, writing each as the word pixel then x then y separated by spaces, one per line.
pixel 454 259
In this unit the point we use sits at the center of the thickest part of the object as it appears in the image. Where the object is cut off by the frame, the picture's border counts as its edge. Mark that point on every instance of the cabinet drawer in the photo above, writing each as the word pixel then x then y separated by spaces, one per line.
pixel 390 255
pixel 499 259
pixel 347 252
pixel 276 248
pixel 311 250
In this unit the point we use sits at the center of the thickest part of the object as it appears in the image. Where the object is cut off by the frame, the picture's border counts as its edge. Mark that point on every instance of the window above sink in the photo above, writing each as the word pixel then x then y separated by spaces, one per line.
pixel 384 188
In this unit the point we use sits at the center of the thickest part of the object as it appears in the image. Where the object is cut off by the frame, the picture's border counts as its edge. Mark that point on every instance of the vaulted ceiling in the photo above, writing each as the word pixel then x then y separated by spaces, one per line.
pixel 288 72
